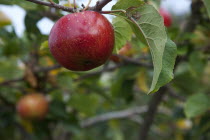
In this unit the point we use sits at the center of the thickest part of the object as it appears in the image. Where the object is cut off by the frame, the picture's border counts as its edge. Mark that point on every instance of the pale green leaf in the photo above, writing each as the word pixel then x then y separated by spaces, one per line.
pixel 196 105
pixel 207 4
pixel 169 57
pixel 121 35
pixel 44 45
pixel 149 28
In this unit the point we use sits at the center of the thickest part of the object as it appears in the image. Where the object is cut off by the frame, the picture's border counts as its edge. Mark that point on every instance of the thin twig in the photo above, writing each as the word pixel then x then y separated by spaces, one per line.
pixel 152 109
pixel 130 113
pixel 46 69
pixel 173 93
pixel 113 115
pixel 99 5
pixel 11 81
pixel 128 60
pixel 87 6
pixel 64 8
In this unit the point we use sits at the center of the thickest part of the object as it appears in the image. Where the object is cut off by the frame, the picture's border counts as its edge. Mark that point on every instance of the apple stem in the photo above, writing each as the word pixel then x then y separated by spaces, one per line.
pixel 75 4
pixel 87 5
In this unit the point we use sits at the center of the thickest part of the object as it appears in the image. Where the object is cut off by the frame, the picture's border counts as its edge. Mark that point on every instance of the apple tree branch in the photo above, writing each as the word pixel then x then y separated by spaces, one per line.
pixel 98 7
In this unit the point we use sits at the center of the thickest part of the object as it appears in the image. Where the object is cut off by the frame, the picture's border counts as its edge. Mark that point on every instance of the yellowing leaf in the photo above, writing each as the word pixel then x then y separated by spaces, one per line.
pixel 49 61
pixel 4 20
pixel 145 50
pixel 184 124
pixel 199 38
pixel 1 79
pixel 54 72
pixel 141 82
pixel 44 45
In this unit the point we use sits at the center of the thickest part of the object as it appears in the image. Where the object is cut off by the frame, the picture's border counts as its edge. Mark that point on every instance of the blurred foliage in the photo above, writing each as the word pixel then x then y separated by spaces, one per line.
pixel 25 64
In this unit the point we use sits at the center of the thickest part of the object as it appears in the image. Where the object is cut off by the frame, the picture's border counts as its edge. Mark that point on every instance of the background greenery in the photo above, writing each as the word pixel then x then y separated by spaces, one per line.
pixel 109 102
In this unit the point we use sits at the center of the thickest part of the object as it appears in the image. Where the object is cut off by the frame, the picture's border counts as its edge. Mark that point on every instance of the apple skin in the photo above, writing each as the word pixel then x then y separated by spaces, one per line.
pixel 82 41
pixel 33 106
pixel 166 17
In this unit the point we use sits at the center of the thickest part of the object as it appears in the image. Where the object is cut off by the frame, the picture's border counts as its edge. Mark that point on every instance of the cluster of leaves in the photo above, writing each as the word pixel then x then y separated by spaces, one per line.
pixel 27 66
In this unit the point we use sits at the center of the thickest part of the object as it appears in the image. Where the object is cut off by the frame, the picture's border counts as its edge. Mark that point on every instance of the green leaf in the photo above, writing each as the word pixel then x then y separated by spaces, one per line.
pixel 196 105
pixel 84 103
pixel 10 69
pixel 25 5
pixel 32 17
pixel 197 63
pixel 121 35
pixel 185 81
pixel 123 82
pixel 149 28
pixel 207 4
pixel 125 4
pixel 65 81
pixel 57 110
pixel 169 57
pixel 56 1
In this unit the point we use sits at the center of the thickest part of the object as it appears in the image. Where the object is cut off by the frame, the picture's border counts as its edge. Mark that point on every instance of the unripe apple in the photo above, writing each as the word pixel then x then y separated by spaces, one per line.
pixel 166 17
pixel 82 41
pixel 32 106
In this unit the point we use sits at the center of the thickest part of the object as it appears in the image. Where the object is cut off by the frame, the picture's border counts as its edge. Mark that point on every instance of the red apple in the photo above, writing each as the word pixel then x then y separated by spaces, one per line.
pixel 82 41
pixel 166 17
pixel 32 106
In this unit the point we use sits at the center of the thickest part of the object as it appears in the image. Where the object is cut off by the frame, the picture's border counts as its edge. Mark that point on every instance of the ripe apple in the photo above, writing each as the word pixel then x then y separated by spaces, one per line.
pixel 82 41
pixel 166 17
pixel 32 106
